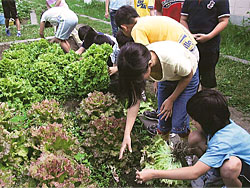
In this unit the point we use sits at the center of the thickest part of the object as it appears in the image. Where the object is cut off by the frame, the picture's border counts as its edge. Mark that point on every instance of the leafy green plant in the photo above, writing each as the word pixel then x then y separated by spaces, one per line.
pixel 158 155
pixel 47 111
pixel 99 104
pixel 17 91
pixel 6 178
pixel 16 152
pixel 100 117
pixel 40 70
pixel 54 137
pixel 58 170
pixel 90 73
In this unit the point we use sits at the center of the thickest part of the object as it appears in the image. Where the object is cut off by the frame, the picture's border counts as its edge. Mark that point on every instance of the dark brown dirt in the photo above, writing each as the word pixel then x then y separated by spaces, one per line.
pixel 2 48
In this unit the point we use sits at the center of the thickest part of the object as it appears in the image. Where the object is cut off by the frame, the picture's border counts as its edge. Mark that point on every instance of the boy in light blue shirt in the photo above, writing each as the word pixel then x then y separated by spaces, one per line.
pixel 218 141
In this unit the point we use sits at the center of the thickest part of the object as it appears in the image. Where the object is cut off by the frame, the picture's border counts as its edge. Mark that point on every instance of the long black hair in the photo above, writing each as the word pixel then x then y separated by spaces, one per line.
pixel 209 108
pixel 132 65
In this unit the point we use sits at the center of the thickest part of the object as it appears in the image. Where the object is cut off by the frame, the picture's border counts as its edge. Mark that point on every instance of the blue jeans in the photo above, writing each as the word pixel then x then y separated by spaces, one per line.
pixel 112 21
pixel 179 121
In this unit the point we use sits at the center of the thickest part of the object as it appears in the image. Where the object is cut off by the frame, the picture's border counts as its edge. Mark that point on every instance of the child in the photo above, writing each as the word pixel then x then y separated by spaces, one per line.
pixel 206 19
pixel 56 3
pixel 227 146
pixel 145 7
pixel 9 9
pixel 111 6
pixel 147 30
pixel 161 61
pixel 89 36
pixel 121 41
pixel 64 19
pixel 169 8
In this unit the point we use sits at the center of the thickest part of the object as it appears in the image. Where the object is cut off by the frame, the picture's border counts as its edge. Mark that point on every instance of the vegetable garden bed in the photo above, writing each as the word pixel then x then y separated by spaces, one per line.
pixel 59 125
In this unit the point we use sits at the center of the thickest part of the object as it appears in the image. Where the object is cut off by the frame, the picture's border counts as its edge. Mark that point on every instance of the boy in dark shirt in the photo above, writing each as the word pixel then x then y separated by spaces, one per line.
pixel 206 19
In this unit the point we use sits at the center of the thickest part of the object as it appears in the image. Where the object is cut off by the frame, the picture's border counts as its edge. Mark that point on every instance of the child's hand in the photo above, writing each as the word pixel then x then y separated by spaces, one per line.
pixel 199 37
pixel 106 15
pixel 166 109
pixel 144 175
pixel 112 70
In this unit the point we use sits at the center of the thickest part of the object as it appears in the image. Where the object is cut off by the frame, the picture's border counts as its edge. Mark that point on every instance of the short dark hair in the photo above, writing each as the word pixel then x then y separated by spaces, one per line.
pixel 132 65
pixel 82 31
pixel 47 24
pixel 95 38
pixel 101 39
pixel 210 109
pixel 125 15
pixel 122 39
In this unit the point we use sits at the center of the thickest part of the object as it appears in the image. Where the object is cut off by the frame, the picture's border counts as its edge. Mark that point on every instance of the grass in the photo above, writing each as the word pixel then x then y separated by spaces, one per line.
pixel 95 9
pixel 233 81
pixel 28 32
pixel 235 41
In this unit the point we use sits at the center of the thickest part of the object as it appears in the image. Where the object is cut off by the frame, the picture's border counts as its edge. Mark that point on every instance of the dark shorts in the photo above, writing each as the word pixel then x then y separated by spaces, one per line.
pixel 9 9
pixel 207 63
pixel 245 174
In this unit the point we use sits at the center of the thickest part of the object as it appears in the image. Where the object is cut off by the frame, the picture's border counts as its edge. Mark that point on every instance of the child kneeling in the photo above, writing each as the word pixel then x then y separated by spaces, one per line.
pixel 220 142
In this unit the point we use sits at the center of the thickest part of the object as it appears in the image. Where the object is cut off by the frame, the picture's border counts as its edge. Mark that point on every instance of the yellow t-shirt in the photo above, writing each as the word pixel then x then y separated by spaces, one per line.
pixel 176 61
pixel 151 29
pixel 143 7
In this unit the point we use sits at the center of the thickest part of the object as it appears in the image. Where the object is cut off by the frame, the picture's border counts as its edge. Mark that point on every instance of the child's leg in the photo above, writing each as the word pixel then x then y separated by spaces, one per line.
pixel 180 118
pixel 230 171
pixel 18 25
pixel 65 45
pixel 165 89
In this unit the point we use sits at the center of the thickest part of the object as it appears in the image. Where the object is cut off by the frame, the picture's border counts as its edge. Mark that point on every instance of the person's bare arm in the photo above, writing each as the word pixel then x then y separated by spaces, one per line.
pixel 42 26
pixel 220 27
pixel 183 21
pixel 80 50
pixel 131 116
pixel 185 173
pixel 107 9
pixel 48 6
pixel 167 106
pixel 158 7
pixel 152 12
pixel 58 2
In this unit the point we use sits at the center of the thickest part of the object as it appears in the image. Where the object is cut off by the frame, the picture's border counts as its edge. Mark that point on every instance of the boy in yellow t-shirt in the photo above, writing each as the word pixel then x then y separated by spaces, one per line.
pixel 144 7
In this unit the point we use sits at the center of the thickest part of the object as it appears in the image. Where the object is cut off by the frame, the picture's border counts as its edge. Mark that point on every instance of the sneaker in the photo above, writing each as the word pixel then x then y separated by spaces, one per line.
pixel 8 32
pixel 143 94
pixel 18 34
pixel 151 115
pixel 152 129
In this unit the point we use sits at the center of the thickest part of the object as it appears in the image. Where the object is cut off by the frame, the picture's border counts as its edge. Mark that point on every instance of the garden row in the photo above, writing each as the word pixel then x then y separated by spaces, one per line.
pixel 42 143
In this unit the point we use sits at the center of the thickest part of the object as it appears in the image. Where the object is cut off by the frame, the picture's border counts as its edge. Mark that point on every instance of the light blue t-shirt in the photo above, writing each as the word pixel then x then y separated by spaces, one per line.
pixel 232 140
pixel 116 4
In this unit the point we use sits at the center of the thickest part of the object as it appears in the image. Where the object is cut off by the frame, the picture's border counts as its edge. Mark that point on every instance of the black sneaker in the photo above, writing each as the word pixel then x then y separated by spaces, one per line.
pixel 152 129
pixel 151 115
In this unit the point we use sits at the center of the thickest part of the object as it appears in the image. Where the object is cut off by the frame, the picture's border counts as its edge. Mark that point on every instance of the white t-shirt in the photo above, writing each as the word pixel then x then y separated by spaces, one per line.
pixel 52 3
pixel 176 61
pixel 55 15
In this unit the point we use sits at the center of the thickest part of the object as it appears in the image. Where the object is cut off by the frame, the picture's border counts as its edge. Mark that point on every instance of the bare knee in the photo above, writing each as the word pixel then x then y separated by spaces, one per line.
pixel 197 143
pixel 195 138
pixel 231 168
